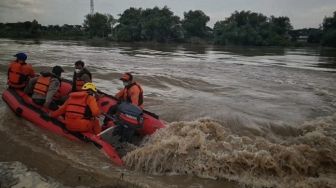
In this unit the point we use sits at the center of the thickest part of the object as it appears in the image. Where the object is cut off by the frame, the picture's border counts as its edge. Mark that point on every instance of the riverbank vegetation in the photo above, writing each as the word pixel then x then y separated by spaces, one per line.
pixel 162 25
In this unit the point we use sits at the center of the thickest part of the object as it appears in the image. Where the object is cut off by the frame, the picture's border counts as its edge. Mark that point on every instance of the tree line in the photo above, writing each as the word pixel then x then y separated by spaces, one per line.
pixel 161 25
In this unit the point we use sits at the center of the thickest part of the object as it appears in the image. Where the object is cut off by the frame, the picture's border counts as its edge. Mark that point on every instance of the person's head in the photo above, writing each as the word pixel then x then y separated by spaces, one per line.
pixel 21 57
pixel 126 78
pixel 79 65
pixel 90 87
pixel 57 70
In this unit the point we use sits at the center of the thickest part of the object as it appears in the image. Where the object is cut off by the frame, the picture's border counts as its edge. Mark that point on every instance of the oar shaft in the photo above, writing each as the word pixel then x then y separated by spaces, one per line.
pixel 105 131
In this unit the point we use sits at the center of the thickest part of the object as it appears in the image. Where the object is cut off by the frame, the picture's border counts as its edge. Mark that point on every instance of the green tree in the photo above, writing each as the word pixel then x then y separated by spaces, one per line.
pixel 159 24
pixel 194 23
pixel 241 28
pixel 34 29
pixel 249 28
pixel 280 25
pixel 329 23
pixel 129 27
pixel 149 25
pixel 21 30
pixel 98 25
pixel 329 31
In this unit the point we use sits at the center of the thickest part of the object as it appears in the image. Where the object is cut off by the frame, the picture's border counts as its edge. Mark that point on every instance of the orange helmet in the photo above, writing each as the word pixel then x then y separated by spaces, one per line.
pixel 126 77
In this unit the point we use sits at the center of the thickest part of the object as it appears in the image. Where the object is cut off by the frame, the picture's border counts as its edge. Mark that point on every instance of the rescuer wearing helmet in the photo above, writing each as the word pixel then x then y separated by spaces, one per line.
pixel 19 72
pixel 45 88
pixel 81 110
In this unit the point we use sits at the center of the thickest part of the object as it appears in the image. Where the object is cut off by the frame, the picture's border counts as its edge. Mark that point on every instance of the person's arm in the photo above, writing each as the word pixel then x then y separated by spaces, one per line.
pixel 93 106
pixel 120 94
pixel 59 111
pixel 30 87
pixel 52 90
pixel 86 78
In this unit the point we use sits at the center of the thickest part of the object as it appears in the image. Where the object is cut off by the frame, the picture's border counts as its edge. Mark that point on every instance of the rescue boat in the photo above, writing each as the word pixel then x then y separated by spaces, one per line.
pixel 23 106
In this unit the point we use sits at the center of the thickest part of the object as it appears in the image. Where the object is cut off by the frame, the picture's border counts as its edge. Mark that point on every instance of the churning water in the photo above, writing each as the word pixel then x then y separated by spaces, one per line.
pixel 261 117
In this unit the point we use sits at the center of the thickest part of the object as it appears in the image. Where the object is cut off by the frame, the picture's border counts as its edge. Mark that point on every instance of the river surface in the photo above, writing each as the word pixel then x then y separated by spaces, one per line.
pixel 236 117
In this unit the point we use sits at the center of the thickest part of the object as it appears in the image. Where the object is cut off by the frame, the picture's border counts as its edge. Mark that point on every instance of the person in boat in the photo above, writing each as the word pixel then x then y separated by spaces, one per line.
pixel 81 76
pixel 130 98
pixel 132 91
pixel 19 72
pixel 81 110
pixel 45 88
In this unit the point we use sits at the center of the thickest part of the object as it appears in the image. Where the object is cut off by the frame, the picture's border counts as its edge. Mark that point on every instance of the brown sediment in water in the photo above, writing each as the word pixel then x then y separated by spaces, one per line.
pixel 61 170
pixel 31 156
pixel 207 148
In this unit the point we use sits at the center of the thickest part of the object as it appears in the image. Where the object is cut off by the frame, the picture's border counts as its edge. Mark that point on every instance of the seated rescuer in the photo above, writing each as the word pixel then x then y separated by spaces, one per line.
pixel 81 110
pixel 131 93
pixel 81 76
pixel 45 88
pixel 19 72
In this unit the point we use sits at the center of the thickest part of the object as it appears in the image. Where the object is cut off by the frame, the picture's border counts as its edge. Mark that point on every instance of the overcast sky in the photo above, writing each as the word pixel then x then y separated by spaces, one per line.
pixel 302 13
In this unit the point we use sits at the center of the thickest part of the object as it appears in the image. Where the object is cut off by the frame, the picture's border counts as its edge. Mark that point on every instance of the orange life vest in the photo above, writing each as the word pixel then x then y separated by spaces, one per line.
pixel 42 85
pixel 17 77
pixel 127 96
pixel 77 107
pixel 79 84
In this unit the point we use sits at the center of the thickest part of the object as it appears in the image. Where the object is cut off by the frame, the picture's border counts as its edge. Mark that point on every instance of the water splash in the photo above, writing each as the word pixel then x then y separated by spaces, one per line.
pixel 16 174
pixel 207 148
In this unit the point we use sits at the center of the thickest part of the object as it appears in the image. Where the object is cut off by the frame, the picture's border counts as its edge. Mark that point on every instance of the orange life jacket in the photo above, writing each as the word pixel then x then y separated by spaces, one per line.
pixel 17 77
pixel 127 95
pixel 42 85
pixel 77 106
pixel 79 84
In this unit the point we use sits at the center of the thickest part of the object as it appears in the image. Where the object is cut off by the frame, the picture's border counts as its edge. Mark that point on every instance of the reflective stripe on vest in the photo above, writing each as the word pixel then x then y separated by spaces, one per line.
pixel 42 85
pixel 77 108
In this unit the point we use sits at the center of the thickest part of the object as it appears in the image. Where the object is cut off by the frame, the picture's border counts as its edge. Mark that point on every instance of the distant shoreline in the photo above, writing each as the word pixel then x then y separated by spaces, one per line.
pixel 103 40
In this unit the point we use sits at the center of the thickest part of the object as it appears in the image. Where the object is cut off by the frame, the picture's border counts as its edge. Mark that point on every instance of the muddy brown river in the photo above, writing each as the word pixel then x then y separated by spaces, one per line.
pixel 236 117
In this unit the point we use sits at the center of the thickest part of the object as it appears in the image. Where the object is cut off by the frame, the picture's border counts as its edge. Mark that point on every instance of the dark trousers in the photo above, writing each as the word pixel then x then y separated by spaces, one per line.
pixel 112 110
pixel 52 106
